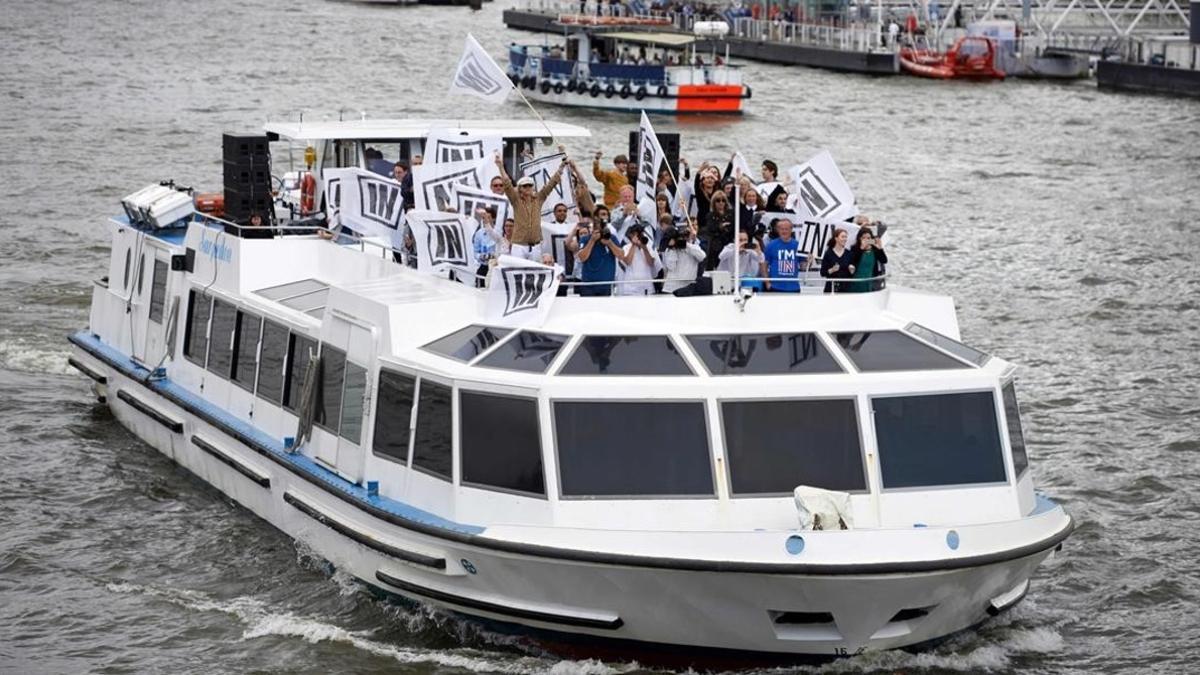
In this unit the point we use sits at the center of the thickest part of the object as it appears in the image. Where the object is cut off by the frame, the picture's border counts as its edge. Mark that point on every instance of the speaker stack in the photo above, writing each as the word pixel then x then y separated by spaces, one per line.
pixel 247 178
pixel 670 146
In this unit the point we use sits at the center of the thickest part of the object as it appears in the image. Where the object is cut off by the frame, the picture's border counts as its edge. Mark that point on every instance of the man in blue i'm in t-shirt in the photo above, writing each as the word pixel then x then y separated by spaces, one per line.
pixel 784 259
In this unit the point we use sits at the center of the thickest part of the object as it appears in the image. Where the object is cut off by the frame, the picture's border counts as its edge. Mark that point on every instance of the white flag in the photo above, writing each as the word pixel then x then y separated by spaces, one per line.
pixel 684 205
pixel 367 203
pixel 468 199
pixel 820 191
pixel 433 184
pixel 521 292
pixel 331 188
pixel 554 242
pixel 650 160
pixel 444 240
pixel 456 145
pixel 478 75
pixel 540 170
pixel 813 235
pixel 738 167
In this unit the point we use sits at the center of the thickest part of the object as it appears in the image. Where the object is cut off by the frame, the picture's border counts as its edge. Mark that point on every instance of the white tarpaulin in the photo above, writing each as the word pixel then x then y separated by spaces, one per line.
pixel 650 160
pixel 812 234
pixel 443 240
pixel 433 184
pixel 456 145
pixel 468 199
pixel 368 203
pixel 820 191
pixel 521 292
pixel 478 75
pixel 540 170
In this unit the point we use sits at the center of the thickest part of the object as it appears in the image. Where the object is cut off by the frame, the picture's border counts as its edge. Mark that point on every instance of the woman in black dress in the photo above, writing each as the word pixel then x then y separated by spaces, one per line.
pixel 836 263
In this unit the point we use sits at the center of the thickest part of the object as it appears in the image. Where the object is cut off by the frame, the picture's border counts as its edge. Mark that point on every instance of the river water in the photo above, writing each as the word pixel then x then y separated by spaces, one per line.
pixel 1062 219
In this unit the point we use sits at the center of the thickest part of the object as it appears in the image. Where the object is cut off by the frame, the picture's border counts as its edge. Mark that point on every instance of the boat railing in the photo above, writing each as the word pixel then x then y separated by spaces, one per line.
pixel 810 280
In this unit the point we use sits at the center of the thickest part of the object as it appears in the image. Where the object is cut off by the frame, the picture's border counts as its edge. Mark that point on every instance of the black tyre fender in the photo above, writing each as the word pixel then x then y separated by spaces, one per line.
pixel 571 85
pixel 662 91
pixel 609 91
pixel 558 87
pixel 545 86
pixel 530 82
pixel 640 94
pixel 595 90
pixel 514 78
pixel 747 91
pixel 625 91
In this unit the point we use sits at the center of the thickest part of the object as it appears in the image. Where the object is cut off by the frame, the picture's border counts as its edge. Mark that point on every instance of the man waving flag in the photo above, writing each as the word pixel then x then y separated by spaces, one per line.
pixel 478 75
pixel 650 160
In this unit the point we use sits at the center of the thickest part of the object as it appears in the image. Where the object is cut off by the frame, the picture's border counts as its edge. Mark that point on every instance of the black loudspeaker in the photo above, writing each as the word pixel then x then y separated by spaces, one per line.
pixel 1195 22
pixel 247 174
pixel 670 146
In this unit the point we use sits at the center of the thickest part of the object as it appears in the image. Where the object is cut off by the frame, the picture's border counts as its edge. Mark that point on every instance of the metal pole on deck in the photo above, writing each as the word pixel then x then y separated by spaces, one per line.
pixel 737 229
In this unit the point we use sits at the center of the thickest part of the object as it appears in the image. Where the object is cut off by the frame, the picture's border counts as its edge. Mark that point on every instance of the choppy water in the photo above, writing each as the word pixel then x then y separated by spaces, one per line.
pixel 1062 219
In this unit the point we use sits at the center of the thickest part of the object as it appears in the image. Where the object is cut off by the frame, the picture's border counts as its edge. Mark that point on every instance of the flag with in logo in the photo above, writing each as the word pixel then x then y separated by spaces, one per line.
pixel 478 75
pixel 365 202
pixel 520 292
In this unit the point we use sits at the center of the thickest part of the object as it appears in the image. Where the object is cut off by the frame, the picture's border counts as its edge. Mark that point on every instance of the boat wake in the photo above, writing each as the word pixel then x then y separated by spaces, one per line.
pixel 261 620
pixel 21 356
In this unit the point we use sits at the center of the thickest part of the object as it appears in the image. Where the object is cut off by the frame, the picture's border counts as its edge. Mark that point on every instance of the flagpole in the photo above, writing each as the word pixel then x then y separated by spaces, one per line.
pixel 536 114
pixel 737 230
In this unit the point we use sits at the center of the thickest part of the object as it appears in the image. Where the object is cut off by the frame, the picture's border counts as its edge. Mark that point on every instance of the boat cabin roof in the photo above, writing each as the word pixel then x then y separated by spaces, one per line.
pixel 656 39
pixel 419 128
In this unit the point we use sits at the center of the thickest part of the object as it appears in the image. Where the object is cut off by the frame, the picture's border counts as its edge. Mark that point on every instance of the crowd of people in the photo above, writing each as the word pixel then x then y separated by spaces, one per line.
pixel 617 246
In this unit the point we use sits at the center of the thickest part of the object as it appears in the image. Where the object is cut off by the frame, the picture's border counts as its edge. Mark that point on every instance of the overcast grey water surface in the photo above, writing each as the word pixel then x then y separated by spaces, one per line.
pixel 1062 220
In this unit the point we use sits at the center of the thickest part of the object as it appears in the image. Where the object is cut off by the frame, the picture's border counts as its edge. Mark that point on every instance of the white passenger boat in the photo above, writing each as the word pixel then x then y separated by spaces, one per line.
pixel 618 477
pixel 630 70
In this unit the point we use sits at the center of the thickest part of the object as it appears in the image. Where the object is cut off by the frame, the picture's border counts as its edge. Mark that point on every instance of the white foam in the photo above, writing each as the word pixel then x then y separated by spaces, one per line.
pixel 23 357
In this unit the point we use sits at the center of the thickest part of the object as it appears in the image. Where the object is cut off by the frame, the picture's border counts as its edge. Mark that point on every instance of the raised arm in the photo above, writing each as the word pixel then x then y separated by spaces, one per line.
pixel 509 190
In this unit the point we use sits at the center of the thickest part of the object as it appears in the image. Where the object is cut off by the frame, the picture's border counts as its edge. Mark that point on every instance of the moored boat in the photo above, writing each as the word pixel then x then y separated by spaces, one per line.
pixel 971 58
pixel 619 473
pixel 623 68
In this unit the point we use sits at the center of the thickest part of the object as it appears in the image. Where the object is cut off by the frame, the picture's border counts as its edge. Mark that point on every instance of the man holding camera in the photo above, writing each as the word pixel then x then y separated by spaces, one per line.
pixel 597 255
pixel 641 263
pixel 750 260
pixel 681 257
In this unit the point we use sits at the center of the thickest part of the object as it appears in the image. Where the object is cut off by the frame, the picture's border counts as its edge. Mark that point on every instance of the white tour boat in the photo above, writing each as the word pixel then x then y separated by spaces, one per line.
pixel 620 475
pixel 630 70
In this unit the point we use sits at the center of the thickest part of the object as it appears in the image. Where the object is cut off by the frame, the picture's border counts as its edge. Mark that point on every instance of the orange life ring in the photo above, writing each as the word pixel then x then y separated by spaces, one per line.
pixel 308 193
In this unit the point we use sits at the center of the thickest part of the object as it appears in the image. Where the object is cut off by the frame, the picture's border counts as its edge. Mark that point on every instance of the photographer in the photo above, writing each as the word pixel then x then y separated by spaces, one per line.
pixel 681 257
pixel 750 260
pixel 641 263
pixel 598 256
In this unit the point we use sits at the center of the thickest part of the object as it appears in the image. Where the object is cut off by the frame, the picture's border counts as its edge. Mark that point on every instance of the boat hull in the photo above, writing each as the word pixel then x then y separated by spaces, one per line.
pixel 710 99
pixel 657 604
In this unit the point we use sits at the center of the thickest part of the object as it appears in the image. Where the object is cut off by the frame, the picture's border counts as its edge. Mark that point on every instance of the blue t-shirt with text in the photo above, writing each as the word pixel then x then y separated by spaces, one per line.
pixel 784 259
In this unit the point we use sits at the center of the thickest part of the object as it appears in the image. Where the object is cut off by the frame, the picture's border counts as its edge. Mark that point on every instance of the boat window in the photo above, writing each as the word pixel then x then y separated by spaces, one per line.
pixel 220 338
pixel 527 351
pixel 466 344
pixel 141 272
pixel 300 351
pixel 248 329
pixel 352 403
pixel 886 350
pixel 633 448
pixel 158 290
pixel 500 442
pixel 968 354
pixel 393 414
pixel 128 261
pixel 333 371
pixel 626 355
pixel 1016 435
pixel 938 439
pixel 270 362
pixel 381 156
pixel 291 289
pixel 775 446
pixel 195 339
pixel 431 447
pixel 764 354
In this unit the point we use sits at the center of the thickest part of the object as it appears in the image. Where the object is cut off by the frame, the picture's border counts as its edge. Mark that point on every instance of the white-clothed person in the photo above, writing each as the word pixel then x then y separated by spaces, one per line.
pixel 750 258
pixel 681 258
pixel 641 264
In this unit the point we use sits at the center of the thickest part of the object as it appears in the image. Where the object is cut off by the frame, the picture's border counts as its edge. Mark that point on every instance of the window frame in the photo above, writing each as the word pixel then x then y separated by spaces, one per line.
pixel 158 292
pixel 578 343
pixel 480 327
pixel 823 338
pixel 334 431
pixel 284 402
pixel 363 408
pixel 704 404
pixel 412 411
pixel 452 479
pixel 1006 384
pixel 567 341
pixel 458 424
pixel 859 423
pixel 282 374
pixel 845 354
pixel 235 364
pixel 233 338
pixel 996 410
pixel 188 335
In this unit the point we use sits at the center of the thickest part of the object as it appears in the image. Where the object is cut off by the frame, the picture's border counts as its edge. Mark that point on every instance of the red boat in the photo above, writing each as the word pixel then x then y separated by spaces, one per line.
pixel 971 58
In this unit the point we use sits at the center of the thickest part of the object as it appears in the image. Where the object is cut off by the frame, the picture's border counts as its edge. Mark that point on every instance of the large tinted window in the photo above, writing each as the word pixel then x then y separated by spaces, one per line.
pixel 467 343
pixel 270 367
pixel 626 355
pixel 333 371
pixel 500 442
pixel 352 402
pixel 527 351
pixel 632 448
pixel 393 415
pixel 195 340
pixel 941 439
pixel 968 354
pixel 300 352
pixel 1016 436
pixel 779 354
pixel 775 446
pixel 158 290
pixel 220 338
pixel 431 448
pixel 892 350
pixel 248 331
